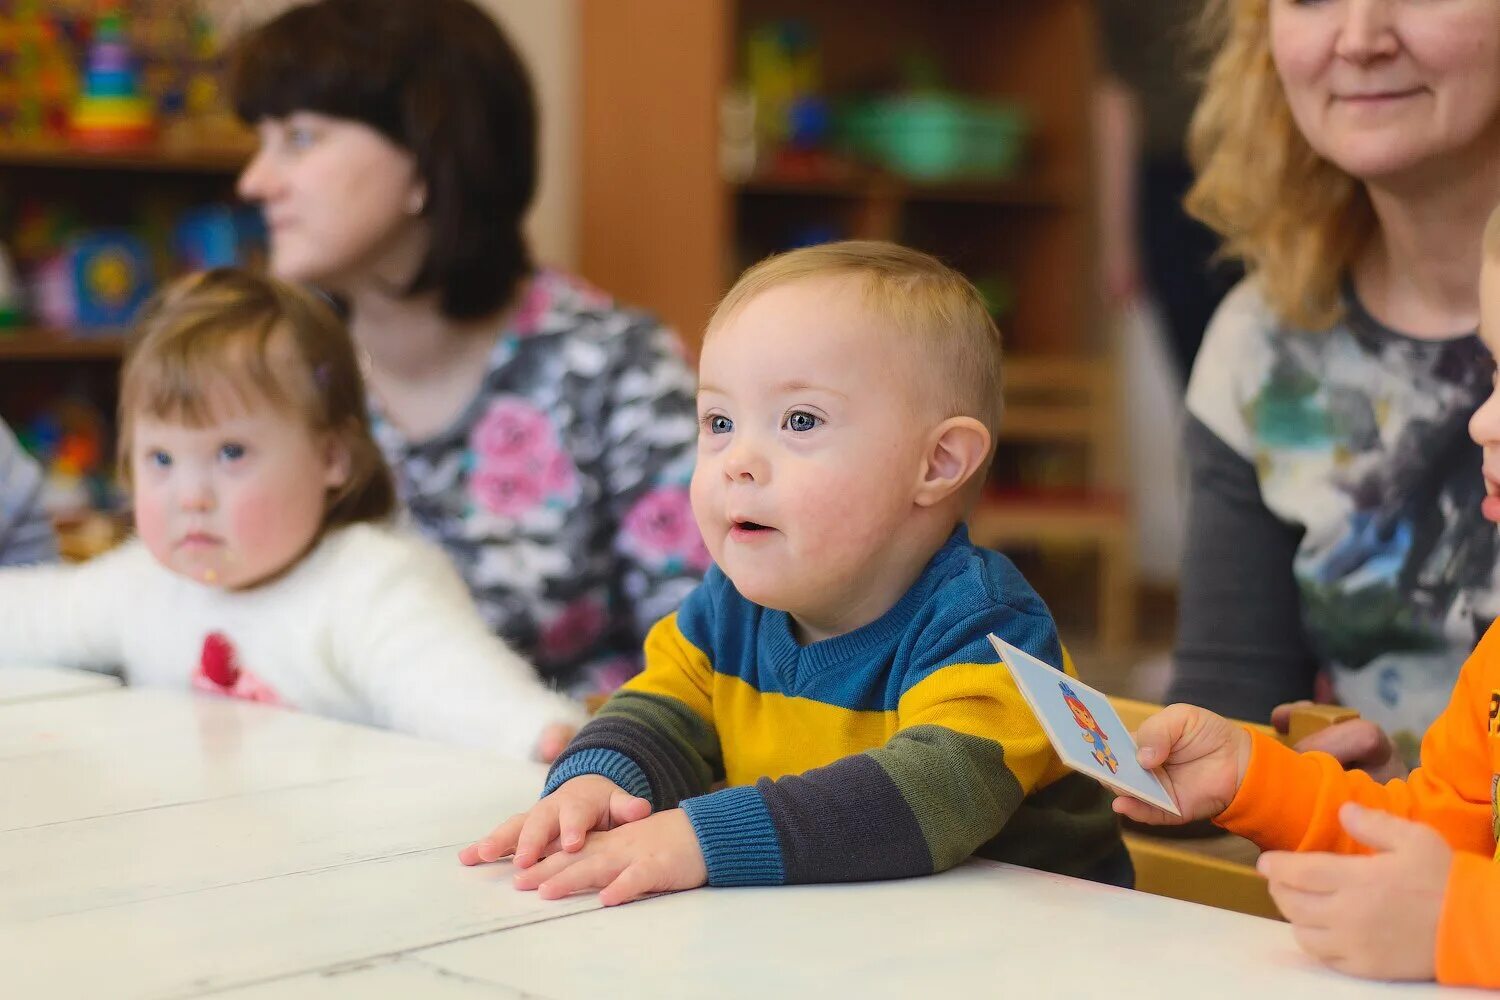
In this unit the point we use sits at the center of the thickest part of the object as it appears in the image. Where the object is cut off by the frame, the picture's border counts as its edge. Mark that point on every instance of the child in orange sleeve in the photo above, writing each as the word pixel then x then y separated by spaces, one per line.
pixel 1389 881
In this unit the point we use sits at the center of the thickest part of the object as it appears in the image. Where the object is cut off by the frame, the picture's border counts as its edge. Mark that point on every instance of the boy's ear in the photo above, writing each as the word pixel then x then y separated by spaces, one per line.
pixel 955 452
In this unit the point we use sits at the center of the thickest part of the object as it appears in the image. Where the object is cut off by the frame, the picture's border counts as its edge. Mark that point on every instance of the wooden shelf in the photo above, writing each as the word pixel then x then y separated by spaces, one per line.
pixel 863 185
pixel 36 344
pixel 164 157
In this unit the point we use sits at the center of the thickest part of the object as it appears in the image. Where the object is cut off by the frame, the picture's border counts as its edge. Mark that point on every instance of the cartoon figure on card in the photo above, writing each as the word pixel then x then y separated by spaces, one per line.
pixel 1092 734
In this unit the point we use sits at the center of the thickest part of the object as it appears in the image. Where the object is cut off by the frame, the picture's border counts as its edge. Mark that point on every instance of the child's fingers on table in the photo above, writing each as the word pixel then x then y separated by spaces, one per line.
pixel 588 873
pixel 1300 907
pixel 1320 943
pixel 574 821
pixel 638 879
pixel 495 845
pixel 543 869
pixel 539 830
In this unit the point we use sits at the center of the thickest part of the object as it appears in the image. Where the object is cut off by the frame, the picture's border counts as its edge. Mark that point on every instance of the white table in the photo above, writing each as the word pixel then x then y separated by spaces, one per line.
pixel 153 845
pixel 32 683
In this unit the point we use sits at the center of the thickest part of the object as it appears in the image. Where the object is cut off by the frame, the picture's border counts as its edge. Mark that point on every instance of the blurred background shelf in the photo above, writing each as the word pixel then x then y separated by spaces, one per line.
pixel 38 344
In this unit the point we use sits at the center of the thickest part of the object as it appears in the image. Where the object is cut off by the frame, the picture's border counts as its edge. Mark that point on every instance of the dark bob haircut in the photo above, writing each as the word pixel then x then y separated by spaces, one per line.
pixel 438 78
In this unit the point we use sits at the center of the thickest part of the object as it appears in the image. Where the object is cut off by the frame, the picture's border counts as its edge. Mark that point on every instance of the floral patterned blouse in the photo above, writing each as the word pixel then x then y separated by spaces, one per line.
pixel 561 491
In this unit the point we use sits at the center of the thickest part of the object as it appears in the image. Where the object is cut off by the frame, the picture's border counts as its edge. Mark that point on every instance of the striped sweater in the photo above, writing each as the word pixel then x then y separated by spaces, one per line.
pixel 898 749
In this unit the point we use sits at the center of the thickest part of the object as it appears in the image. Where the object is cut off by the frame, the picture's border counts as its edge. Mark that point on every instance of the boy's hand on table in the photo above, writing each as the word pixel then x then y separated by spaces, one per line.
pixel 562 820
pixel 1201 759
pixel 1376 915
pixel 657 854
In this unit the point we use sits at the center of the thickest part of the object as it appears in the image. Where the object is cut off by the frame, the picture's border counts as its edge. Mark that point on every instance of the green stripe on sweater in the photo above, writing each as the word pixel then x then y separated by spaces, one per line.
pixel 956 785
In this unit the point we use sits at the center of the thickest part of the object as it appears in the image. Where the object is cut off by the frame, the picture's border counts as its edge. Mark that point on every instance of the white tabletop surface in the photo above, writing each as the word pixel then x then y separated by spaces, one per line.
pixel 153 845
pixel 31 683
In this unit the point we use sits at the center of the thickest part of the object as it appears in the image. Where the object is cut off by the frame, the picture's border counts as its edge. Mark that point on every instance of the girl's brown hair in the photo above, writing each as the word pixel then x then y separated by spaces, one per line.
pixel 260 340
pixel 1294 218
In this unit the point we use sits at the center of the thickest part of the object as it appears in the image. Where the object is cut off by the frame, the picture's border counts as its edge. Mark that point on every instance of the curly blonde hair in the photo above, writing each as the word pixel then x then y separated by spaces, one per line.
pixel 1294 218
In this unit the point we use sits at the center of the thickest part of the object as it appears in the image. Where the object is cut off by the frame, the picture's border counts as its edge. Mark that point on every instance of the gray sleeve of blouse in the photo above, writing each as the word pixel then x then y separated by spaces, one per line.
pixel 25 530
pixel 1241 646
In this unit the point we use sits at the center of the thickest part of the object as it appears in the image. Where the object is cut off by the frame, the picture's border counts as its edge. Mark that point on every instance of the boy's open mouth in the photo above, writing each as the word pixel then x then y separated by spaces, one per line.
pixel 750 526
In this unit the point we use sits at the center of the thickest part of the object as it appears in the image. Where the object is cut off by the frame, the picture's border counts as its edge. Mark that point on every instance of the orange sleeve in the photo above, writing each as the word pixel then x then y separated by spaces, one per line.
pixel 1290 801
pixel 1469 928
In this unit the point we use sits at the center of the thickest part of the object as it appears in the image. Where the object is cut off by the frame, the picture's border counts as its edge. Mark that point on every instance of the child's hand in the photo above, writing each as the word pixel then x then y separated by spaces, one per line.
pixel 659 854
pixel 1356 743
pixel 1205 757
pixel 554 740
pixel 564 818
pixel 1374 916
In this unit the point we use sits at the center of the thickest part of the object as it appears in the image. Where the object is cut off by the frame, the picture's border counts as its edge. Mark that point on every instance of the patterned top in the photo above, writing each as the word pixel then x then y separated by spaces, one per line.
pixel 561 491
pixel 897 749
pixel 1351 443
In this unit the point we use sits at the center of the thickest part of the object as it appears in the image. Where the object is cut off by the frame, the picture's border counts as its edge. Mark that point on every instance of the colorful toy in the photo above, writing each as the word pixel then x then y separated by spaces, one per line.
pixel 97 282
pixel 38 79
pixel 112 112
pixel 69 440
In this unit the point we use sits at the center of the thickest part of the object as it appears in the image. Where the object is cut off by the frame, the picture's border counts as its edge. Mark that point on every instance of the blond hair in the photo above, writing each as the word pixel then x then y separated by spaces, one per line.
pixel 936 307
pixel 261 340
pixel 1294 218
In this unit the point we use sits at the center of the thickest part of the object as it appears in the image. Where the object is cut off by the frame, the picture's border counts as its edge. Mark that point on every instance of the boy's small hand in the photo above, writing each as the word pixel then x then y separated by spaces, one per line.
pixel 1374 916
pixel 658 854
pixel 563 819
pixel 1205 759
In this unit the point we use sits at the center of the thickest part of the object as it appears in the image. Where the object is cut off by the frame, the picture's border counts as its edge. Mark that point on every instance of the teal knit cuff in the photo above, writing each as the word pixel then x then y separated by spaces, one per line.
pixel 606 763
pixel 738 840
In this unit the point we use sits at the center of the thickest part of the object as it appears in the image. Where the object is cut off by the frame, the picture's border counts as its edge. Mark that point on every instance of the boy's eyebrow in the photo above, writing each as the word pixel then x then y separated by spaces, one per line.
pixel 794 385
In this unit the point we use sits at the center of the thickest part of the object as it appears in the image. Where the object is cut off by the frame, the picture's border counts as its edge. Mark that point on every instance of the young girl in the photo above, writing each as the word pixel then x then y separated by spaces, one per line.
pixel 264 567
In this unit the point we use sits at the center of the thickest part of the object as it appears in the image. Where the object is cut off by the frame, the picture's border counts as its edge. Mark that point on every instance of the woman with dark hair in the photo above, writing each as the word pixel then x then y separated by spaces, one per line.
pixel 543 435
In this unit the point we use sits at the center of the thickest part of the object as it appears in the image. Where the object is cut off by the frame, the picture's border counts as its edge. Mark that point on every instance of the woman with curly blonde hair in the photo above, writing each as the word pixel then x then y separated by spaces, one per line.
pixel 1348 151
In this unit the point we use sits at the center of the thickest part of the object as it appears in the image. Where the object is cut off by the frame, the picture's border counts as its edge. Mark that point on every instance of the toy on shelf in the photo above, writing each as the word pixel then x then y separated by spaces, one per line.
pixel 111 111
pixel 38 79
pixel 69 439
pixel 96 284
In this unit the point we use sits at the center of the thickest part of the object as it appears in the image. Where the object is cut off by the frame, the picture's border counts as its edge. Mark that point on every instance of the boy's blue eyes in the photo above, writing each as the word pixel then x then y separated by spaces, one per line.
pixel 799 421
pixel 231 452
pixel 160 459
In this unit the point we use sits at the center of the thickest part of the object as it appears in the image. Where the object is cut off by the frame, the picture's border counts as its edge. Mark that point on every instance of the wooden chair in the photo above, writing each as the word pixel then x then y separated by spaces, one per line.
pixel 1218 870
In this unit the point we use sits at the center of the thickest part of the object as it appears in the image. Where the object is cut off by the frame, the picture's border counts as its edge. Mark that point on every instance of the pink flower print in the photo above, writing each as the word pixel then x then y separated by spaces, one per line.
pixel 509 488
pixel 660 530
pixel 219 672
pixel 534 305
pixel 574 630
pixel 513 429
pixel 562 474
